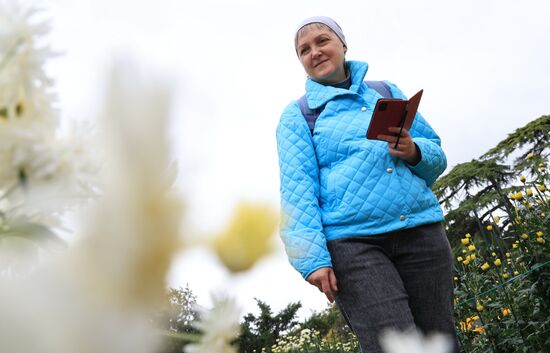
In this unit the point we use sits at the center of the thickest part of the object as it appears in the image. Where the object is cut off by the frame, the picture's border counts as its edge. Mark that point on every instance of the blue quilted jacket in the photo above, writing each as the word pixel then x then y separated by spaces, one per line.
pixel 337 184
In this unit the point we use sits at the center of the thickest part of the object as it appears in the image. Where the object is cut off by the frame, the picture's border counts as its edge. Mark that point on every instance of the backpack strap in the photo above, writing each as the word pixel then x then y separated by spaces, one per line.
pixel 311 115
pixel 381 87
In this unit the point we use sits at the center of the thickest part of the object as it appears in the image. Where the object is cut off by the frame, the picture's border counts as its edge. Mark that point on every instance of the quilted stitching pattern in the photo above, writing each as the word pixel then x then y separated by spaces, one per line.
pixel 337 184
pixel 302 226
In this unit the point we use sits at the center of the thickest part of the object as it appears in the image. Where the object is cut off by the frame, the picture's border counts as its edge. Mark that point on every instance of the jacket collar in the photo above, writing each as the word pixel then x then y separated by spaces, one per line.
pixel 318 94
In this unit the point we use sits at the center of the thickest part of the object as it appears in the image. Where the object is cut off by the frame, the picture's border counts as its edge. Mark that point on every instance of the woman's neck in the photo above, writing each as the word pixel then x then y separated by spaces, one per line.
pixel 346 83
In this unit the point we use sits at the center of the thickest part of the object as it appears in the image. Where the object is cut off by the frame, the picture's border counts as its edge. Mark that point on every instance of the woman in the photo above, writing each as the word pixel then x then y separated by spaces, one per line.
pixel 361 222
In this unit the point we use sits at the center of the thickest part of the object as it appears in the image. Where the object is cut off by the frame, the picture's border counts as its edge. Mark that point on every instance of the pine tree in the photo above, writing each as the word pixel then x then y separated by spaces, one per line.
pixel 262 331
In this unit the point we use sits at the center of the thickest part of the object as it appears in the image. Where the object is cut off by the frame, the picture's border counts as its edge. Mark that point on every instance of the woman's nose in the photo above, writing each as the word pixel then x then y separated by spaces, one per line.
pixel 315 52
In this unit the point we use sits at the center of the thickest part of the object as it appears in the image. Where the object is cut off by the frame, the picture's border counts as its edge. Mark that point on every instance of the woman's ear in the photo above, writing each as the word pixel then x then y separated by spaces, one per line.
pixel 345 49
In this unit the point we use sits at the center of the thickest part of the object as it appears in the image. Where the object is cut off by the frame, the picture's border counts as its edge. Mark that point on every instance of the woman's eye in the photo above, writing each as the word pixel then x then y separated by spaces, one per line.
pixel 304 51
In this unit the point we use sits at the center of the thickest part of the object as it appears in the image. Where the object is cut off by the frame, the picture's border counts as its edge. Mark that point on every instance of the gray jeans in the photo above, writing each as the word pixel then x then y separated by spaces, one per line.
pixel 399 280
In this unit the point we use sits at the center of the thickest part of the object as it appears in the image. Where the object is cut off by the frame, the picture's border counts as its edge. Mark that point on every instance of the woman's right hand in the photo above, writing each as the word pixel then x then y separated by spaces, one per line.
pixel 325 280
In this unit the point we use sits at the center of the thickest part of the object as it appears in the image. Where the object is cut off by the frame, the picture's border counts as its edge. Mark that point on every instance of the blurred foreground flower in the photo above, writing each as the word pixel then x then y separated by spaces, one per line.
pixel 220 326
pixel 247 238
pixel 140 214
pixel 98 297
pixel 414 342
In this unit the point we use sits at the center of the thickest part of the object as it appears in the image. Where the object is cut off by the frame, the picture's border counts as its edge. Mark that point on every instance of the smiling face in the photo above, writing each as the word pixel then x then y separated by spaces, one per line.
pixel 321 53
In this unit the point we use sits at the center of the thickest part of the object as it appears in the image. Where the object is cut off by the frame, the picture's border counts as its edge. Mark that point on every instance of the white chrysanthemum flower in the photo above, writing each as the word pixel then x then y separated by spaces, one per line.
pixel 41 173
pixel 24 86
pixel 219 326
pixel 42 177
pixel 99 295
pixel 138 205
pixel 414 342
pixel 27 119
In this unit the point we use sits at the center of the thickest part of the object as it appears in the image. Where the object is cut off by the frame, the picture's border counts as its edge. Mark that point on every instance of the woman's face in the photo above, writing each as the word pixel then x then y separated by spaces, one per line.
pixel 322 54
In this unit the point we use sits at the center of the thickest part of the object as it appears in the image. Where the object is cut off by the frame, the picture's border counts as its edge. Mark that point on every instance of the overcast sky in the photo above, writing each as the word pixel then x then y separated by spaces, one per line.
pixel 483 65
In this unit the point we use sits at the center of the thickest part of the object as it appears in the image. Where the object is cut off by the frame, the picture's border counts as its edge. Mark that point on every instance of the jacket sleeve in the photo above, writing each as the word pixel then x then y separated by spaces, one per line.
pixel 301 228
pixel 433 160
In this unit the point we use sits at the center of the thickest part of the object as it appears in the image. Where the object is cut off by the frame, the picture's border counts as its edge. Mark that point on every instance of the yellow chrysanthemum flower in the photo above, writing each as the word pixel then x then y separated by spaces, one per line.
pixel 505 276
pixel 529 192
pixel 466 262
pixel 247 238
pixel 493 254
pixel 515 246
pixel 541 240
pixel 540 233
pixel 506 312
pixel 524 236
pixel 530 155
pixel 489 227
pixel 497 262
pixel 478 329
pixel 497 219
pixel 508 254
pixel 472 257
pixel 522 178
pixel 479 307
pixel 471 247
pixel 465 241
pixel 468 235
pixel 541 187
pixel 516 273
pixel 485 266
pixel 459 259
pixel 471 324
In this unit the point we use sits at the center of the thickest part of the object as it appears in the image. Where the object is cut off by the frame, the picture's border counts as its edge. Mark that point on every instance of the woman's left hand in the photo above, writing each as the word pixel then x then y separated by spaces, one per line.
pixel 407 150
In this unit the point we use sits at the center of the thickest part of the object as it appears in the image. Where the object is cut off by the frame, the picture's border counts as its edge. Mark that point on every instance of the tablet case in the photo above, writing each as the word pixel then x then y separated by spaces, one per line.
pixel 392 112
